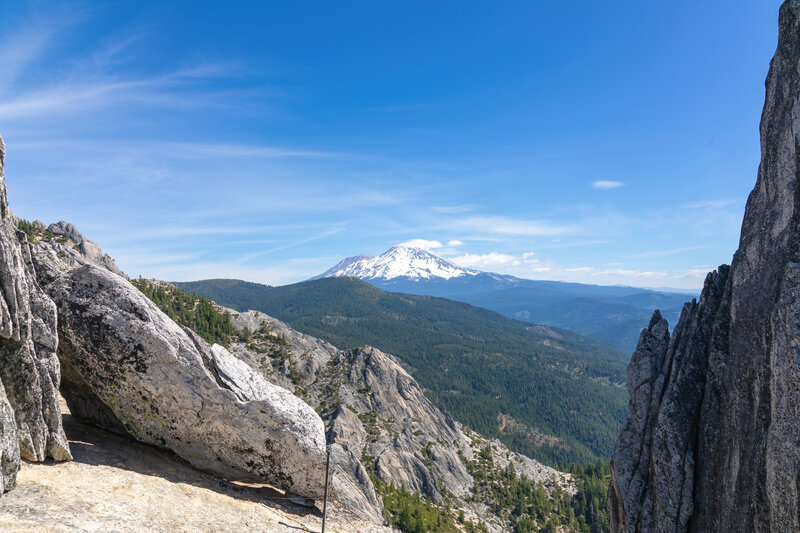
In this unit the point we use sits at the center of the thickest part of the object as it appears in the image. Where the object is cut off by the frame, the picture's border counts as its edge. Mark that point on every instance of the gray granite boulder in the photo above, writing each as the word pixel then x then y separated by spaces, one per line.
pixel 129 368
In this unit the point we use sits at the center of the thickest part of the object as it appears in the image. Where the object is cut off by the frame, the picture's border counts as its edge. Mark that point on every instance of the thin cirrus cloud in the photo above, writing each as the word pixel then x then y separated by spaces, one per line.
pixel 660 253
pixel 506 226
pixel 72 96
pixel 91 82
pixel 454 209
pixel 175 150
pixel 20 52
pixel 606 184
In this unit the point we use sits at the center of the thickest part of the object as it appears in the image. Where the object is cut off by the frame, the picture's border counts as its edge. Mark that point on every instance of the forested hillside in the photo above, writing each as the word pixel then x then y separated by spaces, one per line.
pixel 551 394
pixel 613 315
pixel 190 310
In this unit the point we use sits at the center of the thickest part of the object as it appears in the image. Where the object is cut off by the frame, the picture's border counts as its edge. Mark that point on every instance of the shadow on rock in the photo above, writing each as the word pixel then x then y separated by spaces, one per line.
pixel 97 447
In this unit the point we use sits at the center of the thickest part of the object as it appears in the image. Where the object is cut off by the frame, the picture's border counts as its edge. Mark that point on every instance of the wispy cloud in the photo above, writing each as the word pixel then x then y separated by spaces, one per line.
pixel 79 94
pixel 103 77
pixel 630 273
pixel 20 51
pixel 499 225
pixel 620 272
pixel 606 184
pixel 713 204
pixel 286 246
pixel 275 273
pixel 184 150
pixel 695 273
pixel 455 209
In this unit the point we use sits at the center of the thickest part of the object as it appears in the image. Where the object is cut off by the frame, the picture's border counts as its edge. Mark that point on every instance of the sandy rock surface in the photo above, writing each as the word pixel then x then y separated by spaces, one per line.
pixel 118 485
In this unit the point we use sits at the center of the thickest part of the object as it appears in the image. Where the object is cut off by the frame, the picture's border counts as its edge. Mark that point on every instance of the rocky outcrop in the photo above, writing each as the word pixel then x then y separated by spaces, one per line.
pixel 376 413
pixel 654 463
pixel 60 247
pixel 30 420
pixel 414 443
pixel 379 420
pixel 710 442
pixel 127 367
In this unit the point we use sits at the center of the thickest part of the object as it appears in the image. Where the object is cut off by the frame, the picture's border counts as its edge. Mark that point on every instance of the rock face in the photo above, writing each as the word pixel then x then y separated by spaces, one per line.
pixel 127 367
pixel 30 419
pixel 710 442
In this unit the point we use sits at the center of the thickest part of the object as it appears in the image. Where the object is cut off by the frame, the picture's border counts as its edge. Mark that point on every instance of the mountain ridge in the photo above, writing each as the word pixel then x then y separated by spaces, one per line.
pixel 613 314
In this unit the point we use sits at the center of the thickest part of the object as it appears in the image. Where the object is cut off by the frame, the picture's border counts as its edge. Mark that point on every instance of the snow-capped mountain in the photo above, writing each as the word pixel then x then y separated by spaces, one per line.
pixel 399 262
pixel 612 314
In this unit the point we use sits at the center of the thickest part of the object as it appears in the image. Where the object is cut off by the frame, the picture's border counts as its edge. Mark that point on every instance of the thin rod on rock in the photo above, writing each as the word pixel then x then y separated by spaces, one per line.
pixel 325 498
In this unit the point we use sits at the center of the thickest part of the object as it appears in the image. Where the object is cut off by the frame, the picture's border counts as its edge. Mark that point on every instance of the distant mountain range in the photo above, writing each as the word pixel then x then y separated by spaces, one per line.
pixel 552 394
pixel 614 315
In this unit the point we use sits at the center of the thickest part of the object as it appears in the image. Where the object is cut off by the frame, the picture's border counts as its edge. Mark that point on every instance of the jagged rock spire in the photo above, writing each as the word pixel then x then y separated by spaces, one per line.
pixel 710 442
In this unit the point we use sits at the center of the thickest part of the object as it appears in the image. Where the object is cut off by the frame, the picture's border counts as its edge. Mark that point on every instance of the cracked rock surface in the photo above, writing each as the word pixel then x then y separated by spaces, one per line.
pixel 30 419
pixel 710 441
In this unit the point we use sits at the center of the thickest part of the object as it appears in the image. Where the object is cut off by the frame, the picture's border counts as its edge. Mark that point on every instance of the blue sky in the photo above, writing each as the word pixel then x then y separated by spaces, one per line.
pixel 601 142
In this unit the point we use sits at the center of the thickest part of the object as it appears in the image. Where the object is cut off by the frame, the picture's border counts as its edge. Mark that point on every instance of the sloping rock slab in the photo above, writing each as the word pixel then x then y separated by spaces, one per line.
pixel 129 368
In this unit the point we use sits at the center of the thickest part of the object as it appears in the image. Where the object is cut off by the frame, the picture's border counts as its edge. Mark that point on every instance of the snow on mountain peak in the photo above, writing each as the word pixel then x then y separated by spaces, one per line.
pixel 399 261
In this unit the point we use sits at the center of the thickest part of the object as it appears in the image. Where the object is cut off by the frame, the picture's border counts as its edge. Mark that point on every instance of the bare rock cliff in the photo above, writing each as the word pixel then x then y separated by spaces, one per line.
pixel 710 442
pixel 30 419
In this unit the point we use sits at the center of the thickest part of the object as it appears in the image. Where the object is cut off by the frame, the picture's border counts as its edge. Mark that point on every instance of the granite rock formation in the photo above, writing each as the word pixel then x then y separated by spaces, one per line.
pixel 379 420
pixel 710 442
pixel 30 419
pixel 129 368
pixel 60 247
